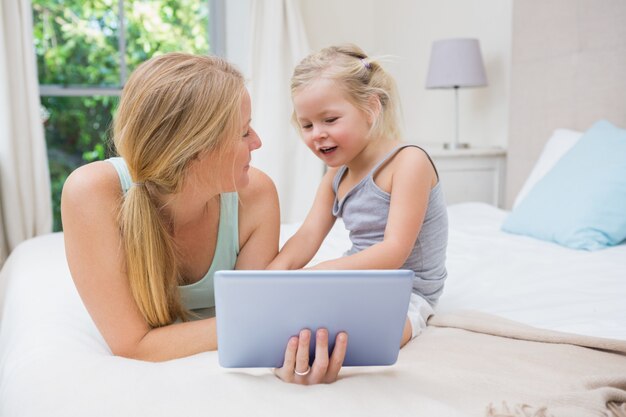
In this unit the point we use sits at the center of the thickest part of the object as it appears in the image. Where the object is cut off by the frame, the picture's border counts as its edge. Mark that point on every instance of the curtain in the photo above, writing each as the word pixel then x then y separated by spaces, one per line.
pixel 278 44
pixel 25 204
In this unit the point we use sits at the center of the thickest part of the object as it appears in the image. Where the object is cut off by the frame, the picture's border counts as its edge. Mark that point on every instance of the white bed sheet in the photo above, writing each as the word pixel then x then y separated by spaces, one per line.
pixel 538 283
pixel 54 362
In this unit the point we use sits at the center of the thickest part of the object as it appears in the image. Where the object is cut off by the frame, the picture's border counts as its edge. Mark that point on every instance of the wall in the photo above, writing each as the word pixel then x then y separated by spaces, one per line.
pixel 405 29
pixel 569 62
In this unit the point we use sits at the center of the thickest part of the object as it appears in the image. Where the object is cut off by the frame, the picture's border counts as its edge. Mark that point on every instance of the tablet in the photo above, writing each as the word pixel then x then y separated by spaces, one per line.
pixel 258 311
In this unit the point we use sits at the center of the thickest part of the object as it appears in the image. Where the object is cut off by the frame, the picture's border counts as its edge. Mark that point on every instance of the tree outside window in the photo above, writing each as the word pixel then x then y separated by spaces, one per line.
pixel 85 50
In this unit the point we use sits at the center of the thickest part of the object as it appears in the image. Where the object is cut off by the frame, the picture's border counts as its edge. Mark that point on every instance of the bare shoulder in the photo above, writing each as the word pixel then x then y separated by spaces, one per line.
pixel 408 165
pixel 413 160
pixel 258 202
pixel 259 188
pixel 91 189
pixel 412 154
pixel 259 221
pixel 100 175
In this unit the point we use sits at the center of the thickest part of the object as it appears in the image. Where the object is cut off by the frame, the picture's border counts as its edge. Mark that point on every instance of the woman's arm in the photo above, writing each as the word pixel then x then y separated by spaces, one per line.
pixel 304 244
pixel 94 250
pixel 412 177
pixel 259 222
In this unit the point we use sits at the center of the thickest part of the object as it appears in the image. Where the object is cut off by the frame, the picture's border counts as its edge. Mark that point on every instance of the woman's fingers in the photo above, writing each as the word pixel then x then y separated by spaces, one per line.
pixel 290 354
pixel 320 365
pixel 325 369
pixel 302 356
pixel 286 373
pixel 337 357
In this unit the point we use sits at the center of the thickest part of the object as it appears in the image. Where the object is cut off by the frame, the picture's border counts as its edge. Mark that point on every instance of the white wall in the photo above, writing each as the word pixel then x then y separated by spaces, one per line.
pixel 569 61
pixel 405 29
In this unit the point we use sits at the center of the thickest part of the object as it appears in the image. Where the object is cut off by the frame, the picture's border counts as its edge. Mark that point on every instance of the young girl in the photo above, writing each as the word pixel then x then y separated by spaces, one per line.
pixel 386 191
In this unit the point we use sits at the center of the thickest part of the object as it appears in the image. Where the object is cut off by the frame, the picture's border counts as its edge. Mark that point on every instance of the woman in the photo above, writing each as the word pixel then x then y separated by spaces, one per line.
pixel 141 231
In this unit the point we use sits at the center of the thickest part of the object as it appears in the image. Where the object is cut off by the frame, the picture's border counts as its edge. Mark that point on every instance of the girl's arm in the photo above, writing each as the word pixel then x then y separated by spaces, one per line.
pixel 412 177
pixel 90 202
pixel 259 229
pixel 304 244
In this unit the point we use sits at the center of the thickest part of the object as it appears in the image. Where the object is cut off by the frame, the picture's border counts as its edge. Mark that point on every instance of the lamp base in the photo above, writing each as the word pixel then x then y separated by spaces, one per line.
pixel 453 146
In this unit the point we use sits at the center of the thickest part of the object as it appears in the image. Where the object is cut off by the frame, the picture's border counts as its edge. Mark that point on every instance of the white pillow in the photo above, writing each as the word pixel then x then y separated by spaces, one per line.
pixel 559 143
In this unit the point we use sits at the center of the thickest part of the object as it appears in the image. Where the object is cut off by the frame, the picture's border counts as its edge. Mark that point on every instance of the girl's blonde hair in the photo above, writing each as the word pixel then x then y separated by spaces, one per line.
pixel 173 107
pixel 360 78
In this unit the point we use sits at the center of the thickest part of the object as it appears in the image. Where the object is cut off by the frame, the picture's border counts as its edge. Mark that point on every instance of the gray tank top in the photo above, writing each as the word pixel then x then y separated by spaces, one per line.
pixel 365 209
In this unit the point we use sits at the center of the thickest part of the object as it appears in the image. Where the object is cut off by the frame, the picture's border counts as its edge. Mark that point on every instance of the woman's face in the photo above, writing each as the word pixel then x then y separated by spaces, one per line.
pixel 228 171
pixel 248 142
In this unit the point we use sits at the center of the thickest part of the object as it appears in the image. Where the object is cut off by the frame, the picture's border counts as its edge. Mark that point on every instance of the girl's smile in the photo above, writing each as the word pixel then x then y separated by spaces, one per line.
pixel 327 149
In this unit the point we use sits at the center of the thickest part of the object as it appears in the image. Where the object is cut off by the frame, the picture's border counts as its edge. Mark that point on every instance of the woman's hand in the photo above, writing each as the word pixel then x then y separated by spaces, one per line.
pixel 324 370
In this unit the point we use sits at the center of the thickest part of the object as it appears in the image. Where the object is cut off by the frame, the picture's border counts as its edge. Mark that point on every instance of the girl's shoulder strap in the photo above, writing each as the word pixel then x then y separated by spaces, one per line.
pixel 338 176
pixel 397 149
pixel 387 157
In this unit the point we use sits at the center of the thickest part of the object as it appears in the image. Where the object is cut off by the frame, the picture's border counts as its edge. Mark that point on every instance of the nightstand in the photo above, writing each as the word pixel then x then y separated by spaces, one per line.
pixel 472 174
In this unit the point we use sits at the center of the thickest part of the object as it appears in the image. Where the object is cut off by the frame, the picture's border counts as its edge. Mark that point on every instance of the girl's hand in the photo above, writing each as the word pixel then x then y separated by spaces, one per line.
pixel 324 370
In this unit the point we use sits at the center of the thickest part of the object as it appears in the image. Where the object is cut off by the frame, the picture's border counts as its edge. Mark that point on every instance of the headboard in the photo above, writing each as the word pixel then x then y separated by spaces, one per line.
pixel 568 70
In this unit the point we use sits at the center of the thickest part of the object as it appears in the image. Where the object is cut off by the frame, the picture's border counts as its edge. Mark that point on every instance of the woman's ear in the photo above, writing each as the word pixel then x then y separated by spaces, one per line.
pixel 374 109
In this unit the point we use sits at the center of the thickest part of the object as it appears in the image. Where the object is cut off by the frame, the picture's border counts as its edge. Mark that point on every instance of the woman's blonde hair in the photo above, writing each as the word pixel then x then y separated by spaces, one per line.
pixel 360 78
pixel 173 107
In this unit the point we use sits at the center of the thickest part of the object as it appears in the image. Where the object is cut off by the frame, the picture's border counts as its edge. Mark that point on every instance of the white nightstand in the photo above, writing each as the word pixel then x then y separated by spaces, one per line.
pixel 472 174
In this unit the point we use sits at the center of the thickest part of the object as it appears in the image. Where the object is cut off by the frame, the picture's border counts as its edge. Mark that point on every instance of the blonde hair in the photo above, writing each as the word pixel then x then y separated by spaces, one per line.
pixel 173 107
pixel 360 78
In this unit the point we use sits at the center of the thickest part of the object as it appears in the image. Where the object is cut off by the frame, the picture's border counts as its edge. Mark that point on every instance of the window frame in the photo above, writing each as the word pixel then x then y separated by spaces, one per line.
pixel 217 33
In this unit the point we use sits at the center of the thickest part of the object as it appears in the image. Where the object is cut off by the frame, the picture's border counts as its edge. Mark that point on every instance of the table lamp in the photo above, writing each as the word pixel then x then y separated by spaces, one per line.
pixel 456 63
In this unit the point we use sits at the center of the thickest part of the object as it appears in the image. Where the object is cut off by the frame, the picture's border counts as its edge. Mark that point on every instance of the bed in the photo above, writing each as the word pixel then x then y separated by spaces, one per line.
pixel 525 327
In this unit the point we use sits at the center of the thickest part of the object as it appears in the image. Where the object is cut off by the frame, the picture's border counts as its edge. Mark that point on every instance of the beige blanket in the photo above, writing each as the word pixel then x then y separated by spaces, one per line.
pixel 466 364
pixel 499 367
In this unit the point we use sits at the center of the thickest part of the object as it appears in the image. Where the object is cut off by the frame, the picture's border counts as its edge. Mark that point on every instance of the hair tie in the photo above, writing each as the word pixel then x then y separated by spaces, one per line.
pixel 366 64
pixel 137 184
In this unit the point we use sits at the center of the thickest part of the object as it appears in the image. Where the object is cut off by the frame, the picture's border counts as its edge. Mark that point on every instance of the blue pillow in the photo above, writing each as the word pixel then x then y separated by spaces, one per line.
pixel 581 202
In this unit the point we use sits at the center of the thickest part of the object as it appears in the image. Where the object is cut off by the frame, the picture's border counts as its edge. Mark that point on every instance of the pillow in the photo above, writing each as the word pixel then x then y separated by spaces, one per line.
pixel 581 202
pixel 559 143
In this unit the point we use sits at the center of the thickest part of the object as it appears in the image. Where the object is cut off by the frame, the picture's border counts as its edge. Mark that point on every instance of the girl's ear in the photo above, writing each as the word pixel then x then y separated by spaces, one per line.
pixel 374 109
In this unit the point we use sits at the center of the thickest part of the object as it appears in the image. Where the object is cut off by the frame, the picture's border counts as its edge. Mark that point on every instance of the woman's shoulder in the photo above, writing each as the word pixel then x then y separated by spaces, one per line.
pixel 259 186
pixel 91 186
pixel 259 213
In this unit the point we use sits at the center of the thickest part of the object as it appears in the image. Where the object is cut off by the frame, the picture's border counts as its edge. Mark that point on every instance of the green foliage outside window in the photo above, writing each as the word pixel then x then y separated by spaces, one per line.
pixel 77 47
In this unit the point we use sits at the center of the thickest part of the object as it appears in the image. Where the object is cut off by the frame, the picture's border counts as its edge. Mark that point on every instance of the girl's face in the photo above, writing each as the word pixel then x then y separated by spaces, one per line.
pixel 331 126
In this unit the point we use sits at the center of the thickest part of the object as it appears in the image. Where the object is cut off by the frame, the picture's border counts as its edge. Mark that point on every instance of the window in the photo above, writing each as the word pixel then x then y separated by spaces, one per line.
pixel 86 49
